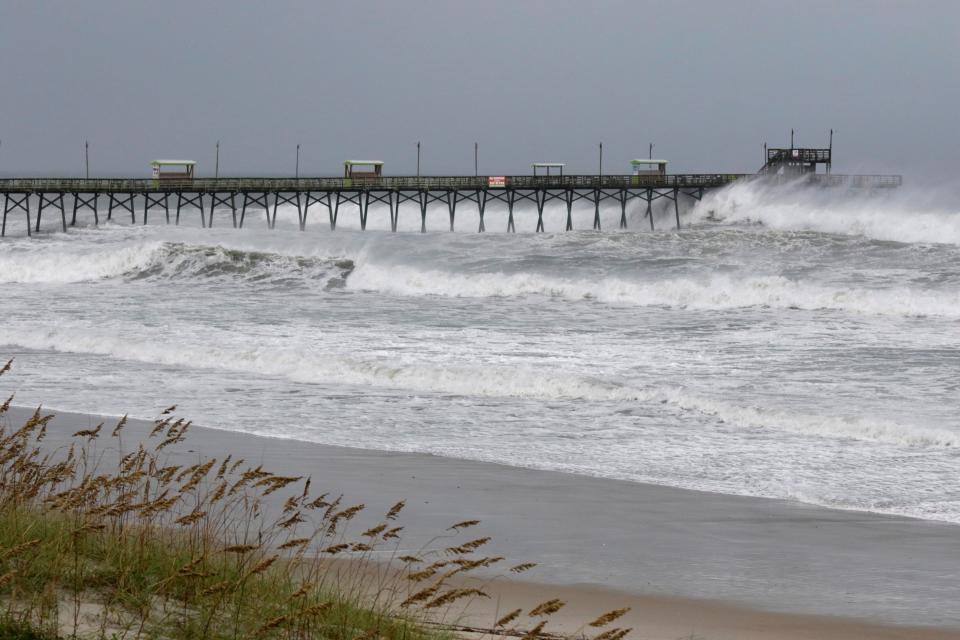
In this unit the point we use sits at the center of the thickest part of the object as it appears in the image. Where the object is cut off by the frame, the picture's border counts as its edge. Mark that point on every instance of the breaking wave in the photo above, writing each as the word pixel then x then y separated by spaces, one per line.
pixel 898 216
pixel 166 260
pixel 709 292
pixel 305 365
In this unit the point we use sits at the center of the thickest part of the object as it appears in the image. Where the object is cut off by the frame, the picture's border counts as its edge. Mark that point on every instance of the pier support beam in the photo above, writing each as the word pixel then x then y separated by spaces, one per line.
pixel 394 211
pixel 342 198
pixel 541 200
pixel 270 193
pixel 676 205
pixel 90 202
pixel 623 208
pixel 427 198
pixel 226 200
pixel 12 202
pixel 452 206
pixel 324 199
pixel 596 209
pixel 55 201
pixel 262 200
pixel 481 207
pixel 382 198
pixel 401 198
pixel 279 199
pixel 196 201
pixel 123 201
pixel 423 211
pixel 650 207
pixel 150 200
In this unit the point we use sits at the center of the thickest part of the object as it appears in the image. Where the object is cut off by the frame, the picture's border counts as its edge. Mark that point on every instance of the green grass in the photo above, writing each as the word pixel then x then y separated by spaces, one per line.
pixel 104 540
pixel 13 630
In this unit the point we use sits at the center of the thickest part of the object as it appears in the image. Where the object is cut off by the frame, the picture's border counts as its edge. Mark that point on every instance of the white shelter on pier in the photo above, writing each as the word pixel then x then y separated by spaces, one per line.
pixel 545 167
pixel 648 167
pixel 162 171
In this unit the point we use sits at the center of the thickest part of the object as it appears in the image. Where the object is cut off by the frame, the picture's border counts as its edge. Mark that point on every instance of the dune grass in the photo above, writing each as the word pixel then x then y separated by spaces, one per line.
pixel 102 540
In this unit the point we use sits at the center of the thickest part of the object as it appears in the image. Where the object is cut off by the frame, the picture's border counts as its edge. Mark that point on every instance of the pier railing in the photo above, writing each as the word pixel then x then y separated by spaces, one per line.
pixel 254 184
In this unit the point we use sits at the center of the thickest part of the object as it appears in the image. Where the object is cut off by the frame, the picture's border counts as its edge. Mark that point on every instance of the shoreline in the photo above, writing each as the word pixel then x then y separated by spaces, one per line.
pixel 96 417
pixel 735 563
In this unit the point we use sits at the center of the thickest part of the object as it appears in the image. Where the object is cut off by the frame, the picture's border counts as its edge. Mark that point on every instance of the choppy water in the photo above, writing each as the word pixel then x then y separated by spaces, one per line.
pixel 795 346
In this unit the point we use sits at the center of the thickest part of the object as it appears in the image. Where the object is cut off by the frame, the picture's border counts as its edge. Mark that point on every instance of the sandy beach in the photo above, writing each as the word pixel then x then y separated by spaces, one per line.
pixel 688 563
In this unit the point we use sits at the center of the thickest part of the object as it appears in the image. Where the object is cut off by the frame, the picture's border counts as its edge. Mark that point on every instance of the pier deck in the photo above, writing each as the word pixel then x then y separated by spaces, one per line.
pixel 254 193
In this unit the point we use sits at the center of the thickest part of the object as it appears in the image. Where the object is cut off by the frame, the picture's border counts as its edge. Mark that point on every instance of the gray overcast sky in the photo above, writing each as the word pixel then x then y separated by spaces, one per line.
pixel 707 82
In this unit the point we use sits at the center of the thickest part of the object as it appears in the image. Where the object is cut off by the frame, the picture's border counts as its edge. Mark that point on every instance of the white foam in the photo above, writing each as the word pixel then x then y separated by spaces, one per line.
pixel 301 364
pixel 67 263
pixel 901 216
pixel 707 292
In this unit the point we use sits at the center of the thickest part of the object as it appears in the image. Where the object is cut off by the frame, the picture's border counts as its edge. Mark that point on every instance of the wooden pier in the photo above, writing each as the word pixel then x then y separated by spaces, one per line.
pixel 70 197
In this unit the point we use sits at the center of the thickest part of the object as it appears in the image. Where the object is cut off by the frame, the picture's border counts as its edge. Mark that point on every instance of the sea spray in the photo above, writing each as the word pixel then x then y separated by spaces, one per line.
pixel 904 215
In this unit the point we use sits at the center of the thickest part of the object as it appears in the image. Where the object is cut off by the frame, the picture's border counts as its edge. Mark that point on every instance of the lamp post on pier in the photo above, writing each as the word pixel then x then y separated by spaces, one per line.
pixel 216 164
pixel 601 160
pixel 296 171
pixel 418 158
pixel 476 161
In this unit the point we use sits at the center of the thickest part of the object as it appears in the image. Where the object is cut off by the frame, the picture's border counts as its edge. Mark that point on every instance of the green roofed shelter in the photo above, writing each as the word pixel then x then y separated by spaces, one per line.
pixel 649 167
pixel 546 166
pixel 368 168
pixel 161 171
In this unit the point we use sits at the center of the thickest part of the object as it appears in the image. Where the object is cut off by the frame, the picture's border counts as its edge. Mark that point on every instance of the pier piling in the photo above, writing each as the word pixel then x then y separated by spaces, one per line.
pixel 269 194
pixel 89 202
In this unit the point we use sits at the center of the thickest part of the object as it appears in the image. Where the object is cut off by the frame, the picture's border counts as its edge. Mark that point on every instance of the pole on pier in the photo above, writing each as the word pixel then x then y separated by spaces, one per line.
pixel 650 157
pixel 86 154
pixel 216 164
pixel 418 158
pixel 791 138
pixel 296 171
pixel 476 159
pixel 764 156
pixel 601 161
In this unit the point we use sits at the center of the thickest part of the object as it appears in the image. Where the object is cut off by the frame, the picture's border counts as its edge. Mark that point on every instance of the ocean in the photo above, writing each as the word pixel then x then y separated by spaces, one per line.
pixel 784 344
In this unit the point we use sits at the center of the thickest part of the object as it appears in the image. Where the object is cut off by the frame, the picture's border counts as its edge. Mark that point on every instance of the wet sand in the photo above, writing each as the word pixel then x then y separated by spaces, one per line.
pixel 712 565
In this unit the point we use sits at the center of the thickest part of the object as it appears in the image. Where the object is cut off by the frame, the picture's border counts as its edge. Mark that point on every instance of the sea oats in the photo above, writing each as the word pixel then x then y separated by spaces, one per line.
pixel 547 608
pixel 609 617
